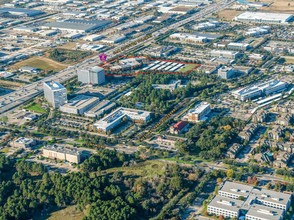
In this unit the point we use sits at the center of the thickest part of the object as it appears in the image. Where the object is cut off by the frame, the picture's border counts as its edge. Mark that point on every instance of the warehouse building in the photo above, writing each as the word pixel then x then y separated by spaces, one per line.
pixel 264 17
pixel 55 152
pixel 19 12
pixel 93 75
pixel 78 26
pixel 115 118
pixel 79 105
pixel 236 200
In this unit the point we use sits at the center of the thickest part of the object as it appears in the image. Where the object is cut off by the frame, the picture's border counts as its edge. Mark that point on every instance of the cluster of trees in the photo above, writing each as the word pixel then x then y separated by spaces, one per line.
pixel 104 159
pixel 62 55
pixel 161 100
pixel 211 140
pixel 27 188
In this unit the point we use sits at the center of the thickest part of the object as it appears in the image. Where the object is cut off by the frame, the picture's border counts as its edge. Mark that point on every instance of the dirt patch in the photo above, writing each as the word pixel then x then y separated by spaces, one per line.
pixel 42 63
pixel 285 6
pixel 228 15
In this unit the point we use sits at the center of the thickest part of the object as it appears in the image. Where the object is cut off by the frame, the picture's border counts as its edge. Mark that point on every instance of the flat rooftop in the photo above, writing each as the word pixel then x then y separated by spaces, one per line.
pixel 75 24
pixel 199 108
pixel 54 85
pixel 20 11
pixel 80 102
pixel 226 203
pixel 264 16
pixel 264 212
pixel 59 149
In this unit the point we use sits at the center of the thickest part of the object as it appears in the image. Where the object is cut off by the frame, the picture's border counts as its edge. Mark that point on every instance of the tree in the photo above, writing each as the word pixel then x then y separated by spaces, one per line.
pixel 230 173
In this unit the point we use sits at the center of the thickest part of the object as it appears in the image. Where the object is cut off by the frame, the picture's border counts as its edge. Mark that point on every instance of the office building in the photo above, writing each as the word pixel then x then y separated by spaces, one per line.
pixel 198 112
pixel 227 72
pixel 264 17
pixel 238 46
pixel 55 93
pixel 265 88
pixel 225 53
pixel 93 75
pixel 257 31
pixel 253 203
pixel 55 152
pixel 79 105
pixel 23 142
pixel 113 119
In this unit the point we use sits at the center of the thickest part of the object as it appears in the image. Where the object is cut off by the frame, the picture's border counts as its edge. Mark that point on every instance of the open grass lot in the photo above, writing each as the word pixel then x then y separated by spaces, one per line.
pixel 145 169
pixel 228 15
pixel 10 84
pixel 279 6
pixel 4 150
pixel 289 59
pixel 42 63
pixel 35 108
pixel 69 213
pixel 187 68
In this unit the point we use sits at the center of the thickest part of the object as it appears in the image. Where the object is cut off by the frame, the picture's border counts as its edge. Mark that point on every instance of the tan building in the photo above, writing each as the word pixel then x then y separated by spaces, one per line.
pixel 198 112
pixel 61 153
pixel 23 142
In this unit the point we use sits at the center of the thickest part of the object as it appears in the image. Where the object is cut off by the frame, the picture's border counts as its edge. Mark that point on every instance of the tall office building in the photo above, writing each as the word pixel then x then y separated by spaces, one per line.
pixel 55 93
pixel 93 75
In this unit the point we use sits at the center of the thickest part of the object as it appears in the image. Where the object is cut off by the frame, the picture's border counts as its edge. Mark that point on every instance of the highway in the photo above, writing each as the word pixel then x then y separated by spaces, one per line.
pixel 28 92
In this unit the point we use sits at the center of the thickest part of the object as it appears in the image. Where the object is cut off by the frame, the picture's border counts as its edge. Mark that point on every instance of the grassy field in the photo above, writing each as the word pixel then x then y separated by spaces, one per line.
pixel 42 63
pixel 289 59
pixel 187 68
pixel 5 150
pixel 36 108
pixel 279 6
pixel 144 169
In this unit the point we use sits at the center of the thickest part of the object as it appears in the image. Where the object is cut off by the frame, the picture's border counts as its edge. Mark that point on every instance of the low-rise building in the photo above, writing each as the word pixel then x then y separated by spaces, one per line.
pixel 23 142
pixel 234 150
pixel 238 46
pixel 253 202
pixel 198 112
pixel 113 119
pixel 284 119
pixel 179 127
pixel 249 131
pixel 71 155
pixel 260 116
pixel 228 72
pixel 282 159
pixel 225 53
pixel 79 105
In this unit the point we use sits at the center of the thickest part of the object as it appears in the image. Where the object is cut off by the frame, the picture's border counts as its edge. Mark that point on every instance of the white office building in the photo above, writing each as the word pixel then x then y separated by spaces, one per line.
pixel 265 88
pixel 55 93
pixel 79 105
pixel 93 75
pixel 253 202
pixel 115 118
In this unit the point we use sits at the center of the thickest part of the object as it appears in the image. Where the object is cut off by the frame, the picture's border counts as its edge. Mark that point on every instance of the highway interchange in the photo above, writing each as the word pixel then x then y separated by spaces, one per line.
pixel 28 92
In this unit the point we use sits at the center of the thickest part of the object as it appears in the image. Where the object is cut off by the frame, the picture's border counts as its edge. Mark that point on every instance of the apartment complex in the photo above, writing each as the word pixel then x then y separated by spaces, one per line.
pixel 235 200
pixel 71 155
pixel 93 75
pixel 115 118
pixel 55 93
pixel 198 112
